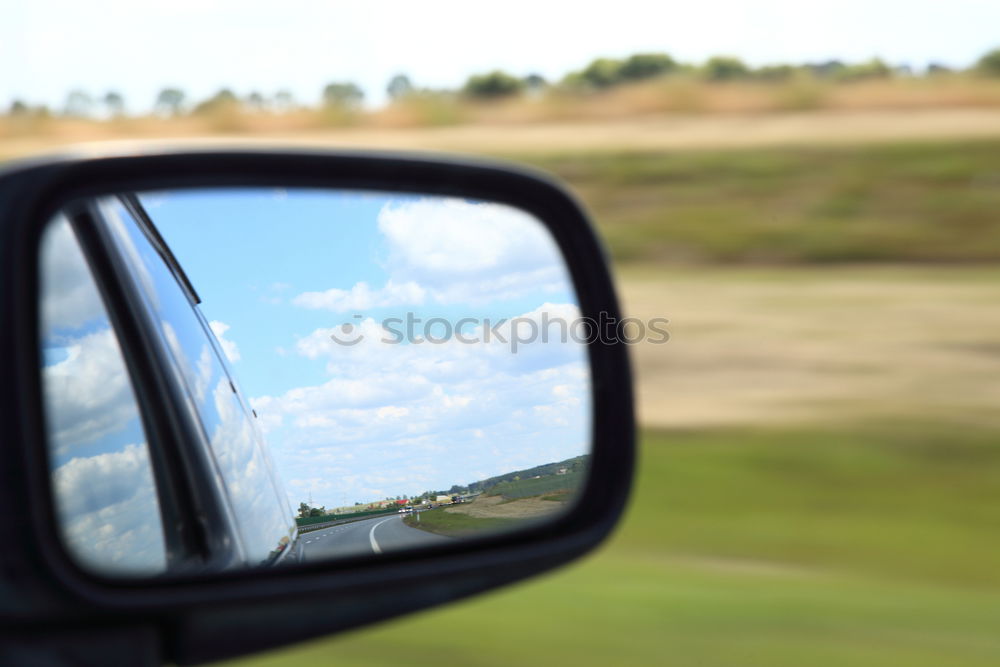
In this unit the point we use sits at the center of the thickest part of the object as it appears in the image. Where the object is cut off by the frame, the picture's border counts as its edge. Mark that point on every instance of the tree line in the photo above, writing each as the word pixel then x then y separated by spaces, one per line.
pixel 600 74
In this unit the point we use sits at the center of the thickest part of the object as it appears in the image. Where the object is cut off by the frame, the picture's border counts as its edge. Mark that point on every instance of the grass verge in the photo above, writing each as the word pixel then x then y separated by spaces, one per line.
pixel 454 524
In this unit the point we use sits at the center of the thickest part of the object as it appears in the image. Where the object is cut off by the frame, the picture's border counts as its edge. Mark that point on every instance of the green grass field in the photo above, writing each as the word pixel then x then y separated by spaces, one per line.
pixel 925 202
pixel 526 488
pixel 457 525
pixel 869 545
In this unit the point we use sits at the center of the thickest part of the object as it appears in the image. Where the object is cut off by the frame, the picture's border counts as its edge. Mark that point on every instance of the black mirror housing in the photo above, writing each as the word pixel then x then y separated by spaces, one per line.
pixel 201 619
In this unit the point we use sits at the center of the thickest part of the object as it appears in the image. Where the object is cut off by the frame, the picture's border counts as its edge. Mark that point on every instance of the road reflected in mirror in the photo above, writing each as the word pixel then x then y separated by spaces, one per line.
pixel 357 373
pixel 501 503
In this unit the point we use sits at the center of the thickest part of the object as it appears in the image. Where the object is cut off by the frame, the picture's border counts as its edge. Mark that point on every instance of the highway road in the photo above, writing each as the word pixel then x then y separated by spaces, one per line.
pixel 381 534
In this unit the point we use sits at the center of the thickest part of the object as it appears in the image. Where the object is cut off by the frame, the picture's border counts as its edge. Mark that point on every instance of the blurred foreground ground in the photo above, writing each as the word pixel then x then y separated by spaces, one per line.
pixel 818 479
pixel 643 132
pixel 817 485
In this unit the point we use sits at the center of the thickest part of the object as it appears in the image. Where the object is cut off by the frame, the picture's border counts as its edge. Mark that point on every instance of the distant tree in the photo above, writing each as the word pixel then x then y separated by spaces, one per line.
pixel 645 66
pixel 725 68
pixel 937 68
pixel 535 82
pixel 256 101
pixel 989 63
pixel 283 101
pixel 602 73
pixel 114 103
pixel 399 87
pixel 78 104
pixel 304 510
pixel 224 96
pixel 317 511
pixel 775 72
pixel 18 108
pixel 493 84
pixel 169 101
pixel 826 70
pixel 573 81
pixel 872 69
pixel 223 99
pixel 342 94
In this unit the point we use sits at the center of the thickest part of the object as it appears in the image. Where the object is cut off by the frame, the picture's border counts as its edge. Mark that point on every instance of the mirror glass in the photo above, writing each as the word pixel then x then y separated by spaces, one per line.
pixel 357 373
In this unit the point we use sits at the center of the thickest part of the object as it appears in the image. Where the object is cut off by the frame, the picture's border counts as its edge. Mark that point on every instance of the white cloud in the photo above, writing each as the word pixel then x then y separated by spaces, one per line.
pixel 363 297
pixel 405 418
pixel 453 251
pixel 69 297
pixel 465 252
pixel 88 394
pixel 228 347
pixel 109 512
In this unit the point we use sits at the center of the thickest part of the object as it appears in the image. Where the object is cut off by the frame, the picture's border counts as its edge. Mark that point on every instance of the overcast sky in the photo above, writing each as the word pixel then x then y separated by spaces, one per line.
pixel 49 47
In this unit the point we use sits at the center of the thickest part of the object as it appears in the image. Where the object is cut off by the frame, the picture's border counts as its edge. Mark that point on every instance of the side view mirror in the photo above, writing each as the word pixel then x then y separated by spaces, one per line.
pixel 433 398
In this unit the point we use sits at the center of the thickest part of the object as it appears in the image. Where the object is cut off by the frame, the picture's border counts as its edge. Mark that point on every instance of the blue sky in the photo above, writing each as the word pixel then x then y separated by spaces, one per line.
pixel 279 271
pixel 52 46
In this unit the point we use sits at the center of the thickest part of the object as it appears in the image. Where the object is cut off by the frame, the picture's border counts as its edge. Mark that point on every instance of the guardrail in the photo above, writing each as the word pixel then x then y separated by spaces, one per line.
pixel 308 528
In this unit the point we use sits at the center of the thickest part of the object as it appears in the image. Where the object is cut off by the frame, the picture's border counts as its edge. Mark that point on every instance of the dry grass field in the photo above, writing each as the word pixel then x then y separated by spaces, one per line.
pixel 765 346
pixel 641 133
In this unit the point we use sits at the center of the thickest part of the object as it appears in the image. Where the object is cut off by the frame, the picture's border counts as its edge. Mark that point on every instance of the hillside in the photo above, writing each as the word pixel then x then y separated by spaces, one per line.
pixel 519 483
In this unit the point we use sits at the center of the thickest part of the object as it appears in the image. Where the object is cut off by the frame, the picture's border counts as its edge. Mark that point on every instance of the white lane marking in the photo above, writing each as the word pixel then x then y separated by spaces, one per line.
pixel 371 535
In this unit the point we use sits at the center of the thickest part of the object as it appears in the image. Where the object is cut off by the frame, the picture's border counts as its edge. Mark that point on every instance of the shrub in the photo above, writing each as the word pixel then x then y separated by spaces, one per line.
pixel 602 73
pixel 223 100
pixel 535 82
pixel 873 69
pixel 645 66
pixel 342 94
pixel 725 68
pixel 492 85
pixel 775 72
pixel 935 69
pixel 170 101
pixel 989 64
pixel 827 70
pixel 399 86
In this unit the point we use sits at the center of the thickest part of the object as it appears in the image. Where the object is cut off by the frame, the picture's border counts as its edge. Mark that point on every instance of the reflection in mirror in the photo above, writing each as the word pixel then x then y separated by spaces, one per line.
pixel 415 374
pixel 102 481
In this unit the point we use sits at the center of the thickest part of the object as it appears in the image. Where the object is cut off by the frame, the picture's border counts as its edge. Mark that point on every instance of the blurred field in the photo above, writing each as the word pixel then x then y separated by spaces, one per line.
pixel 652 132
pixel 867 545
pixel 818 481
pixel 766 345
pixel 897 202
pixel 678 94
